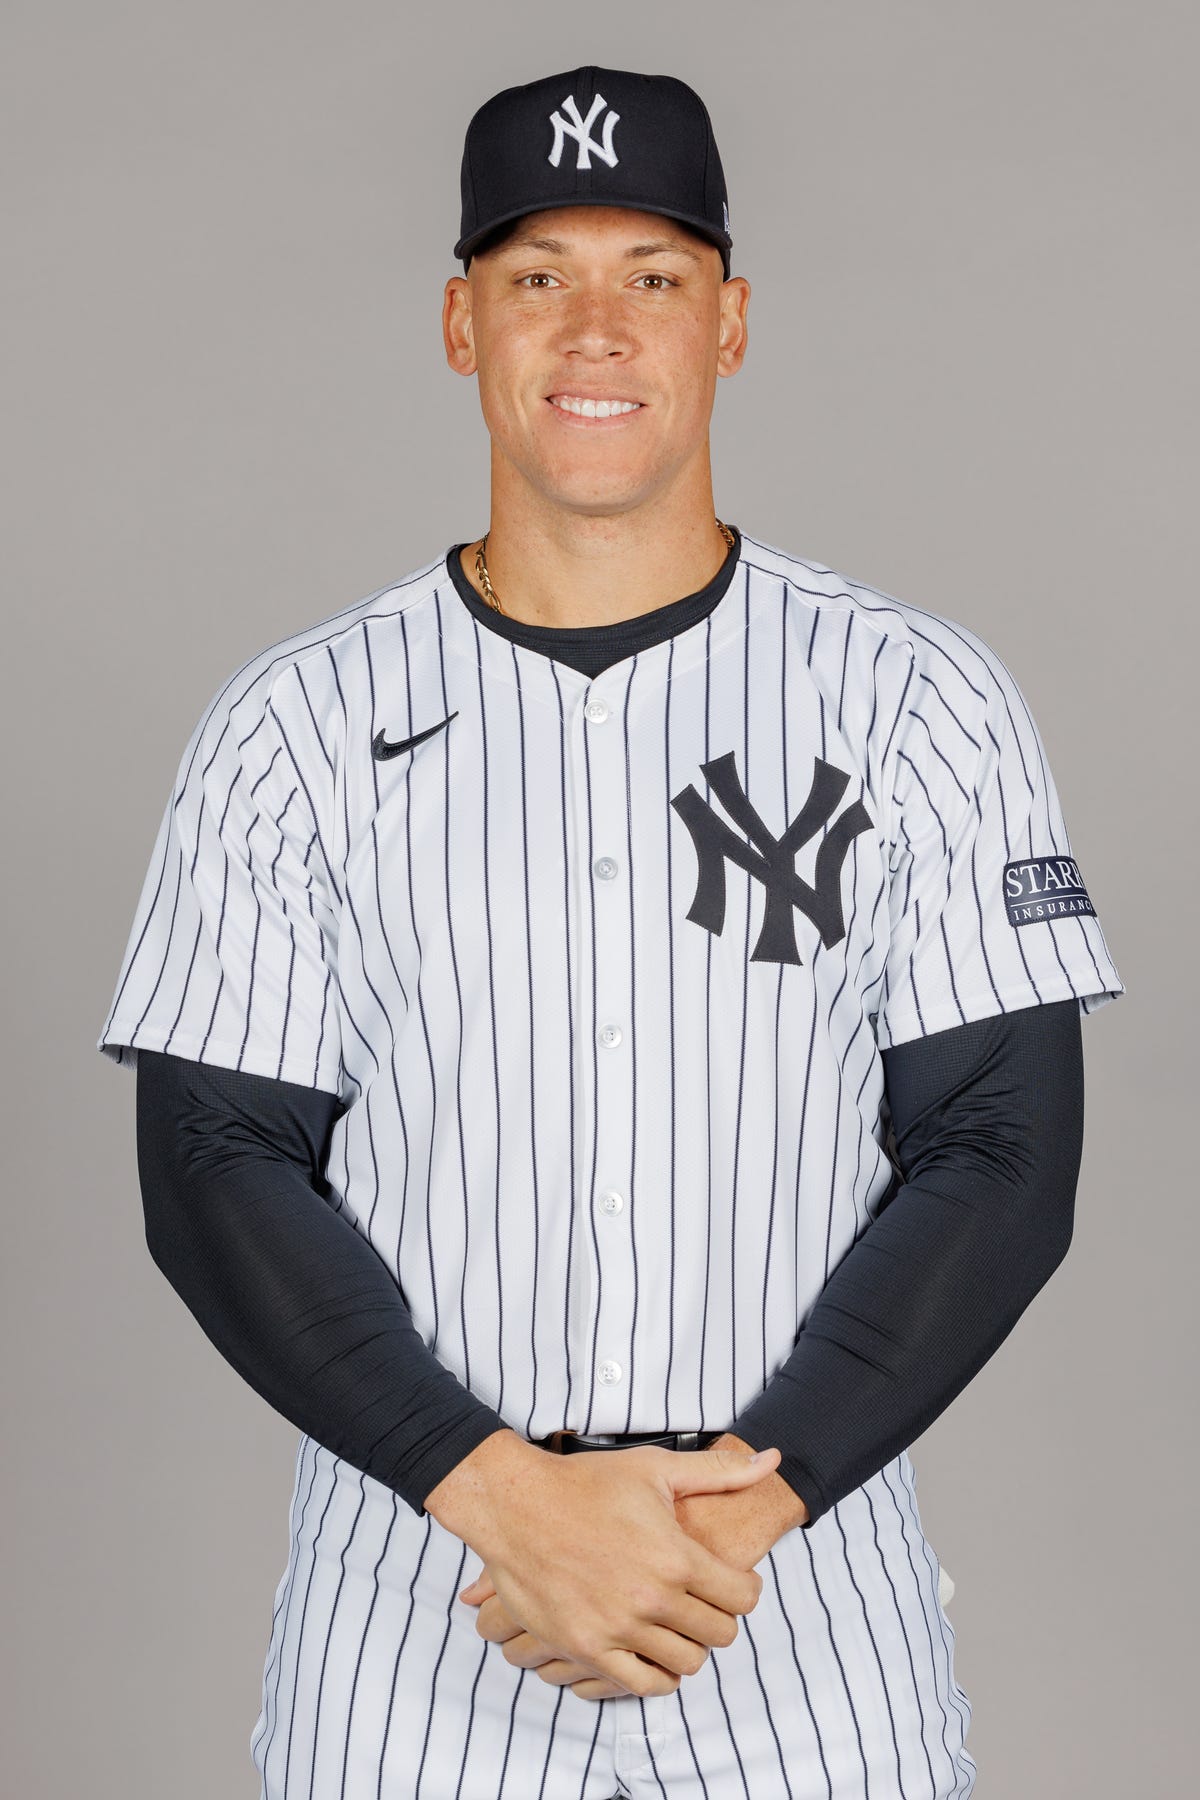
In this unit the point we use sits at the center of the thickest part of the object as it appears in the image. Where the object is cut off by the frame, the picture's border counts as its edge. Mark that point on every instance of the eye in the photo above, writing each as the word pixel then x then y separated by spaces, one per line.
pixel 538 277
pixel 665 280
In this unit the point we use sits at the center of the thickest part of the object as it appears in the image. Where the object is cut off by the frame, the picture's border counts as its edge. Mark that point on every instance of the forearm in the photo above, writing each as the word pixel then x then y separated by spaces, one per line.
pixel 989 1130
pixel 285 1287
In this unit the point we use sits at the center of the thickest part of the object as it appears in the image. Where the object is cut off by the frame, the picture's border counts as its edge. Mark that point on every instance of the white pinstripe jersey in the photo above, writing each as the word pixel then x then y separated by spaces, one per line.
pixel 608 1033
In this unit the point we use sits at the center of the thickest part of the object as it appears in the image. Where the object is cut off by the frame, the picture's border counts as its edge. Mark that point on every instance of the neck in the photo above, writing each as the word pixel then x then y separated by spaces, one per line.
pixel 553 567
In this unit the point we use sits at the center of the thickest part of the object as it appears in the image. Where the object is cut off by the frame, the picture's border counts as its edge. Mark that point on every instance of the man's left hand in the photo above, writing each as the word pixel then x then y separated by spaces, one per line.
pixel 739 1527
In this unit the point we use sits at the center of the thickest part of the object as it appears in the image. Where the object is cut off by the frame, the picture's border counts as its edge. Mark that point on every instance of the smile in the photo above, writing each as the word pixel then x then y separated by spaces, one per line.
pixel 593 409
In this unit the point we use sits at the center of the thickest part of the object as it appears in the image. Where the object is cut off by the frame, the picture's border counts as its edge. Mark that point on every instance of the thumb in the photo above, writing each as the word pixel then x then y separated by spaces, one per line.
pixel 718 1469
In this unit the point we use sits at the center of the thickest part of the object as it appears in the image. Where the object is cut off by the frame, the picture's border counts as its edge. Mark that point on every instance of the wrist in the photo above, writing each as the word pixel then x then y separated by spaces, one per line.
pixel 780 1505
pixel 468 1501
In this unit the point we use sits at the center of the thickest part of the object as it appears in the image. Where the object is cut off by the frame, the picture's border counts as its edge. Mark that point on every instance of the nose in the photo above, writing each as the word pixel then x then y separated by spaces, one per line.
pixel 596 326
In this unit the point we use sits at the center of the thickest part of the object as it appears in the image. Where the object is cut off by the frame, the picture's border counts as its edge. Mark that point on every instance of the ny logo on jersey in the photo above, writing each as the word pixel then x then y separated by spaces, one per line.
pixel 581 130
pixel 771 860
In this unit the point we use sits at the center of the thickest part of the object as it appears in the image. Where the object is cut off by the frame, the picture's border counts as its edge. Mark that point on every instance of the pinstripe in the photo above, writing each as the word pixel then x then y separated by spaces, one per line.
pixel 941 756
pixel 673 1113
pixel 493 1033
pixel 768 1262
pixel 903 1628
pixel 362 1644
pixel 903 1524
pixel 964 1767
pixel 732 1735
pixel 162 967
pixel 408 1623
pixel 253 947
pixel 770 1719
pixel 691 1745
pixel 447 753
pixel 569 960
pixel 433 1681
pixel 745 985
pixel 325 989
pixel 529 978
pixel 798 1666
pixel 708 1115
pixel 845 1683
pixel 384 935
pixel 337 893
pixel 634 1195
pixel 428 941
pixel 319 1713
pixel 589 889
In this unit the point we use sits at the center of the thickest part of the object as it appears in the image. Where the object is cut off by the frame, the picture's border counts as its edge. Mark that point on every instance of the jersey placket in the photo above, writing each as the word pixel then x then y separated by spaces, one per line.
pixel 610 1061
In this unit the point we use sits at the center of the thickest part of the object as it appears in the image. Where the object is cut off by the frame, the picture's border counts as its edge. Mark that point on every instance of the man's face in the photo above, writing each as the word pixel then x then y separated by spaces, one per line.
pixel 615 311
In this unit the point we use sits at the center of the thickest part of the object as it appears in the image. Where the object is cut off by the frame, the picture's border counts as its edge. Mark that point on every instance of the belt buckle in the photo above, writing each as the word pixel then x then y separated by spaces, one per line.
pixel 685 1439
pixel 557 1441
pixel 580 1440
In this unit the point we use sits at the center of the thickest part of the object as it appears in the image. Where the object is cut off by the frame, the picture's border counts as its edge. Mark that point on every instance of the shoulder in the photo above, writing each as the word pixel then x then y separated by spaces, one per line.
pixel 939 656
pixel 299 670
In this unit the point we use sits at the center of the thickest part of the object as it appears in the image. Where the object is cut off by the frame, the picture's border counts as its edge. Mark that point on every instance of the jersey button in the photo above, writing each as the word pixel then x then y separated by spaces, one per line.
pixel 597 711
pixel 611 1202
pixel 609 1372
pixel 604 867
pixel 610 1036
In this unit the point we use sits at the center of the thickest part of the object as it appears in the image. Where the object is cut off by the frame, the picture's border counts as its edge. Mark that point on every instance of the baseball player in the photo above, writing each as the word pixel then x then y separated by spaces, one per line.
pixel 606 1010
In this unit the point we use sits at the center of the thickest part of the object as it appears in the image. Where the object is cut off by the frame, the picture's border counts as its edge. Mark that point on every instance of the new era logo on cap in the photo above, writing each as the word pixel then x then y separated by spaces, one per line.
pixel 639 141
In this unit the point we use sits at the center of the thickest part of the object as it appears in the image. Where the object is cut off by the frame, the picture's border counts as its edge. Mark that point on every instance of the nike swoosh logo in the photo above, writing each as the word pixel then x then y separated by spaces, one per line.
pixel 381 749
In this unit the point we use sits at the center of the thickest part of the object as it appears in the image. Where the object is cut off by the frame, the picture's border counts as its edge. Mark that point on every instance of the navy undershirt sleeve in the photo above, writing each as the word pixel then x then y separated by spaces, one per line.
pixel 239 1219
pixel 986 1138
pixel 986 1126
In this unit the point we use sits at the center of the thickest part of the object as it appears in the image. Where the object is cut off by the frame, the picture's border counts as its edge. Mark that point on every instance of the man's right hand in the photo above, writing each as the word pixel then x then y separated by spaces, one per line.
pixel 587 1555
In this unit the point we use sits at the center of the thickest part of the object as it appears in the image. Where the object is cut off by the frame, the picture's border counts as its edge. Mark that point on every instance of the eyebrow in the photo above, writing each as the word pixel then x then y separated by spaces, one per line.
pixel 554 247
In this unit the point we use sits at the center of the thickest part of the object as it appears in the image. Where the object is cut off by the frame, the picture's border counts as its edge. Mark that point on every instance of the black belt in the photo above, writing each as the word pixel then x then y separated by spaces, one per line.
pixel 563 1442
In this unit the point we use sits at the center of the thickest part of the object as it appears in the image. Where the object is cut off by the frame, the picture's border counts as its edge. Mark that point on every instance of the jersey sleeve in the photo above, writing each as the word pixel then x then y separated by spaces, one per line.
pixel 232 955
pixel 988 908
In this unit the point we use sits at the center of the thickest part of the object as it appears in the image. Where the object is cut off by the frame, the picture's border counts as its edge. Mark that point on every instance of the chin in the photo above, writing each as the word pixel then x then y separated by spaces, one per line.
pixel 595 490
pixel 597 503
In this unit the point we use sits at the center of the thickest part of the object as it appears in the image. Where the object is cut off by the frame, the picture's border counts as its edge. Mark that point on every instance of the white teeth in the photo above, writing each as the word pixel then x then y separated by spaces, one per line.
pixel 594 409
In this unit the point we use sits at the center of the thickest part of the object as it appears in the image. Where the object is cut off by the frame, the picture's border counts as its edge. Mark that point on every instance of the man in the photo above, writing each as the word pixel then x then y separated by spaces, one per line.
pixel 615 991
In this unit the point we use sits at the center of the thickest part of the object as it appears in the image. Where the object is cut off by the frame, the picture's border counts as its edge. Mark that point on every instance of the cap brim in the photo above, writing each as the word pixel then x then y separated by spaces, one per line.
pixel 719 239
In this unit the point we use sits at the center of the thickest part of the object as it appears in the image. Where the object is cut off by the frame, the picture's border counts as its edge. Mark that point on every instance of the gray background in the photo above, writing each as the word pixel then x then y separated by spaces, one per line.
pixel 971 236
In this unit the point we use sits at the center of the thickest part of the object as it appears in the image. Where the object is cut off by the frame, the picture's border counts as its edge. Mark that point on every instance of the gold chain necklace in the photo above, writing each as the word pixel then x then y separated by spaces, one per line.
pixel 485 580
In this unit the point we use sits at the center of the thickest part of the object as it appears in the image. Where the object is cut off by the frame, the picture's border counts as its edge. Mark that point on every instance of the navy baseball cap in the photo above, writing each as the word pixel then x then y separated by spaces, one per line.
pixel 593 137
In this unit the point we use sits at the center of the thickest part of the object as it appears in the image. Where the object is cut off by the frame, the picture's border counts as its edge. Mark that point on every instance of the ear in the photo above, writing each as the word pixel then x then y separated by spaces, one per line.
pixel 458 333
pixel 734 334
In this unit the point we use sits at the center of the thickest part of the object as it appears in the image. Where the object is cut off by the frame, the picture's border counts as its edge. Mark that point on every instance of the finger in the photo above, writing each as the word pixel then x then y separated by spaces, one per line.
pixel 691 1618
pixel 719 1583
pixel 563 1673
pixel 480 1589
pixel 524 1651
pixel 679 1655
pixel 717 1469
pixel 636 1675
pixel 593 1688
pixel 495 1623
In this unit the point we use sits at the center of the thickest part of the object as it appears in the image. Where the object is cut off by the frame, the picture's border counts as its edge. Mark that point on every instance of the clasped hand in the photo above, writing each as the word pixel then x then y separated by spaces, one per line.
pixel 669 1595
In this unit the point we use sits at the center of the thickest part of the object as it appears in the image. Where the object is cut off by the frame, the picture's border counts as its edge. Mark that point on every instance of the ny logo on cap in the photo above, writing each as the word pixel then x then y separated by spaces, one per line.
pixel 581 131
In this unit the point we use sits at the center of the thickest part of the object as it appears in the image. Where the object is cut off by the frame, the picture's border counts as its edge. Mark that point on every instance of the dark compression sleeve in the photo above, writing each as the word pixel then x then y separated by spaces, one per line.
pixel 987 1120
pixel 988 1126
pixel 290 1292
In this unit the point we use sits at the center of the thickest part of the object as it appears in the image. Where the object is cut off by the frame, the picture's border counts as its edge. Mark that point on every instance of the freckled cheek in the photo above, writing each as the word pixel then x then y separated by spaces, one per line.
pixel 509 378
